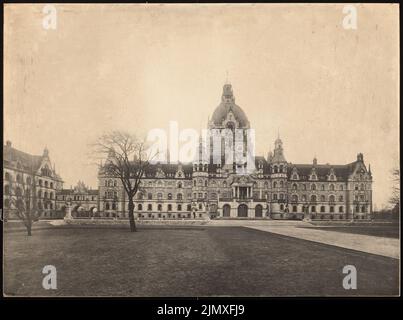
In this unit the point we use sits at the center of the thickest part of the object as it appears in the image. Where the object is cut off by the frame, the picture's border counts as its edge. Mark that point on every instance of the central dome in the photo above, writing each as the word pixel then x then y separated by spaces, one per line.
pixel 227 105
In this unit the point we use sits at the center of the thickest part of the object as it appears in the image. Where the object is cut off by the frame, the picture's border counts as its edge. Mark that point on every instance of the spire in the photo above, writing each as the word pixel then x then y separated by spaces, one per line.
pixel 227 94
pixel 45 152
pixel 369 169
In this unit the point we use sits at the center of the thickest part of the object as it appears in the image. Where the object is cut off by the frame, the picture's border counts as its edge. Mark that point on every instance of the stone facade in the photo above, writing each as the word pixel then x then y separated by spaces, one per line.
pixel 20 171
pixel 83 201
pixel 276 189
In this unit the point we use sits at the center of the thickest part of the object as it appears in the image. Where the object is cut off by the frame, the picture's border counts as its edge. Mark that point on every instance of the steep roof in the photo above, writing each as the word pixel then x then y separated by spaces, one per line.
pixel 13 157
pixel 322 170
pixel 228 104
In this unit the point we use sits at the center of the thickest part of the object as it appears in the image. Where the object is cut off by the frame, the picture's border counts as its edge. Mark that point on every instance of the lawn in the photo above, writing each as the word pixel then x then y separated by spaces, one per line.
pixel 191 261
pixel 390 231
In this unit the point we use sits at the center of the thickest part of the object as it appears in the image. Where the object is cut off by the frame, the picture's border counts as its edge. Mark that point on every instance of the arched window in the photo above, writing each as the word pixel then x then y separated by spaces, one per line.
pixel 107 207
pixel 331 198
pixel 179 196
pixel 140 196
pixel 322 198
pixel 274 184
pixel 341 187
pixel 159 196
pixel 179 207
pixel 281 184
pixel 140 207
pixel 169 196
pixel 226 210
pixel 275 169
pixel 304 187
pixel 341 209
pixel 159 207
pixel 322 209
pixel 205 183
pixel 200 182
pixel 46 184
pixel 180 185
pixel 331 208
pixel 200 206
pixel 189 207
pixel 258 211
pixel 363 209
pixel 294 186
pixel 356 187
pixel 169 207
pixel 331 187
pixel 341 198
pixel 304 197
pixel 313 198
pixel 294 198
pixel 322 187
pixel 150 196
pixel 313 186
pixel 7 176
pixel 114 183
pixel 281 168
pixel 149 207
pixel 113 206
pixel 7 189
pixel 362 187
pixel 281 207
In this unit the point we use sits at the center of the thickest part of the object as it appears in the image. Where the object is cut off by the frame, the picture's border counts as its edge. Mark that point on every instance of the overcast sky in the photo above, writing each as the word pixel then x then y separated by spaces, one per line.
pixel 331 92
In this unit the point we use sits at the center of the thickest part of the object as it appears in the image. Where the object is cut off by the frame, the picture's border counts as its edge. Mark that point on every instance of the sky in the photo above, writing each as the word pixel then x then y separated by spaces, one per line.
pixel 330 92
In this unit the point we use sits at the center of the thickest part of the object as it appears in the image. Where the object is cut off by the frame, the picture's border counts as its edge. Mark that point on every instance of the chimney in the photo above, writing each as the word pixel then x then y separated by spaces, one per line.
pixel 360 157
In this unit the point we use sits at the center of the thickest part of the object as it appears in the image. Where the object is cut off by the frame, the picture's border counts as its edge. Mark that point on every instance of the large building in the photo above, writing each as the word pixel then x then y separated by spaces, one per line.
pixel 82 200
pixel 275 189
pixel 20 171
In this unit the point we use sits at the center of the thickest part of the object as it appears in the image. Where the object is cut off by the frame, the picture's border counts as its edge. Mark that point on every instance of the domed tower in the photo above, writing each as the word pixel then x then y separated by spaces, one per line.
pixel 279 179
pixel 228 117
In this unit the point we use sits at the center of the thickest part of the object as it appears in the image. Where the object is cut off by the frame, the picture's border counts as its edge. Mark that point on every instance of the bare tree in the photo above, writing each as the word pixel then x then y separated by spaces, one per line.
pixel 395 197
pixel 126 159
pixel 24 201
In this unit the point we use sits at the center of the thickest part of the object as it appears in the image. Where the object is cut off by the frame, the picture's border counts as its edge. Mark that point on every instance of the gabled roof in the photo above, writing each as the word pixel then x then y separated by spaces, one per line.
pixel 12 157
pixel 322 170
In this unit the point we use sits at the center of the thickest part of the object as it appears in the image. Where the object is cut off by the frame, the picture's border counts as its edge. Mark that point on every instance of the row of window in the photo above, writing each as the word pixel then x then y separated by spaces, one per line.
pixel 77 198
pixel 314 198
pixel 322 209
pixel 313 187
pixel 28 180
pixel 113 206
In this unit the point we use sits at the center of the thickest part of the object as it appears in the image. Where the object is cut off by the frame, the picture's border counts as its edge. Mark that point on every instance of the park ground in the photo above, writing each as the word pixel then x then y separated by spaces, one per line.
pixel 188 261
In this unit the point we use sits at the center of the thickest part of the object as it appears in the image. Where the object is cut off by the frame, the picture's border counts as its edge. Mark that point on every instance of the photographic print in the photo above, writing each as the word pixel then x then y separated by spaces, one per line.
pixel 201 150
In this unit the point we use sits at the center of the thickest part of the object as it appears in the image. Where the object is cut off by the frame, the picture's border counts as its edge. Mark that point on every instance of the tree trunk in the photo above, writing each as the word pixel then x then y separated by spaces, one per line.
pixel 131 215
pixel 29 227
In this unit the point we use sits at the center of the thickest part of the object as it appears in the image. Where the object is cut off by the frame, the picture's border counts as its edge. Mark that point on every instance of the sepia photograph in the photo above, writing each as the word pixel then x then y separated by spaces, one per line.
pixel 201 150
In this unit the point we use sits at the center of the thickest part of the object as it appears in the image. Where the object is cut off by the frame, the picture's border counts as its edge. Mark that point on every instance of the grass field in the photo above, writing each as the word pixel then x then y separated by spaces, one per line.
pixel 390 231
pixel 198 261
